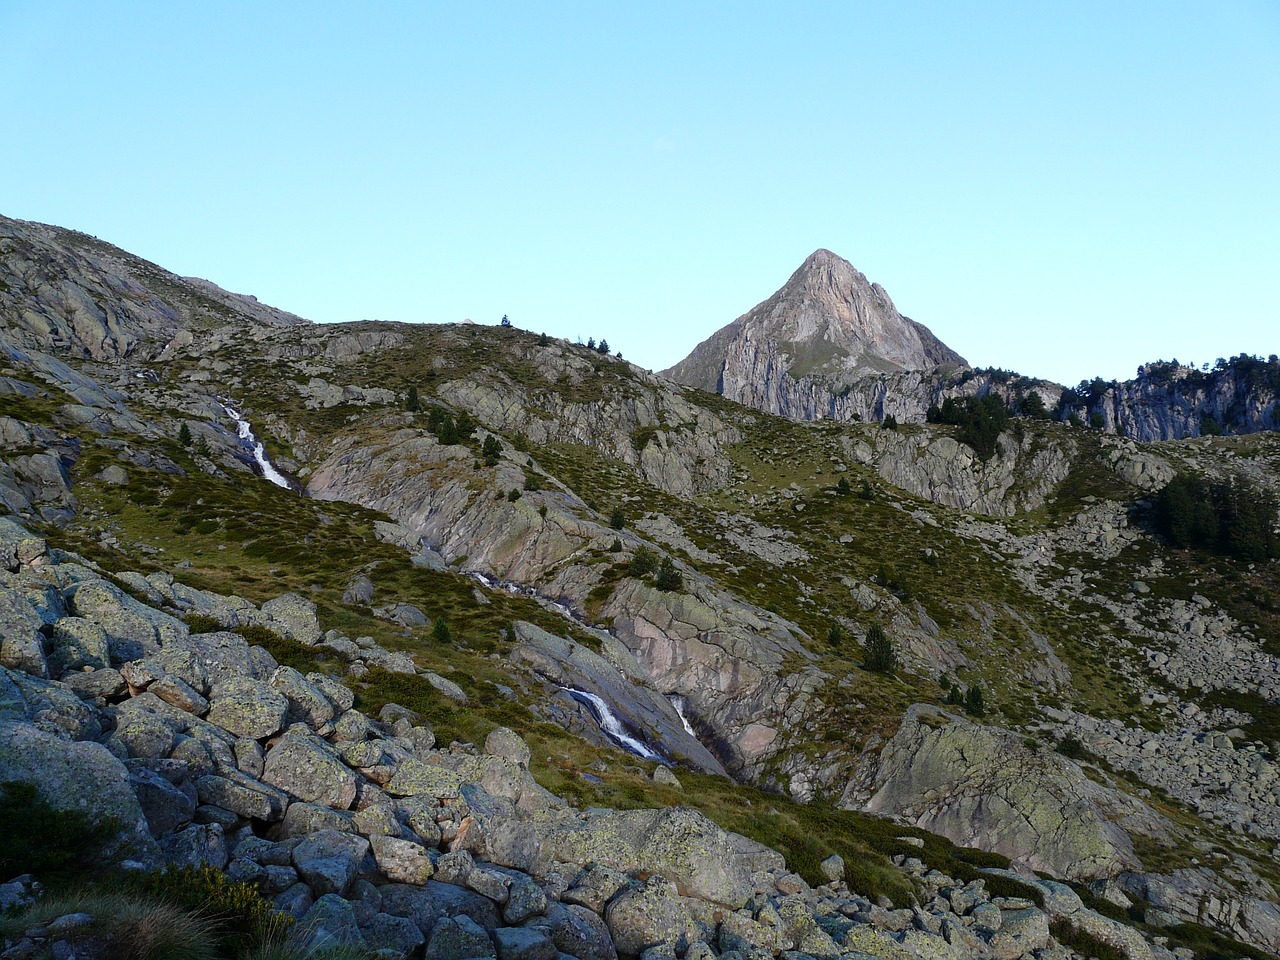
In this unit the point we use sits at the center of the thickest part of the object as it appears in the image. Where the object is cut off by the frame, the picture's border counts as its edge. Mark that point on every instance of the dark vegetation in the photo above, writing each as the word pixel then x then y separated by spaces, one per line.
pixel 55 845
pixel 980 420
pixel 1234 518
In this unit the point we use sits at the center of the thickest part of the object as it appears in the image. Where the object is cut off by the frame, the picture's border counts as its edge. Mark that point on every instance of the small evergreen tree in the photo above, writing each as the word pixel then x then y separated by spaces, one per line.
pixel 643 562
pixel 616 546
pixel 440 631
pixel 842 487
pixel 668 578
pixel 591 343
pixel 491 449
pixel 835 636
pixel 880 654
pixel 617 519
pixel 184 434
pixel 411 399
pixel 513 495
pixel 890 422
pixel 604 347
pixel 974 702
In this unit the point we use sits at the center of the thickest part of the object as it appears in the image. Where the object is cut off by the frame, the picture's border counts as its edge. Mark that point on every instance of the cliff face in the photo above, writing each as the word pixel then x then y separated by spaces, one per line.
pixel 828 324
pixel 1169 402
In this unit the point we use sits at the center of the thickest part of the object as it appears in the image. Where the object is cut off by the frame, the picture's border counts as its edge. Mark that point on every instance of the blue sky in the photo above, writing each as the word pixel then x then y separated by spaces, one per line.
pixel 1064 189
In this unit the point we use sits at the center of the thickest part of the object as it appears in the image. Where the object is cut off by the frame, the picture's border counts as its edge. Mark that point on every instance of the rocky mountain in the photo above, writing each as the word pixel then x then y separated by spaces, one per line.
pixel 829 345
pixel 566 658
pixel 828 323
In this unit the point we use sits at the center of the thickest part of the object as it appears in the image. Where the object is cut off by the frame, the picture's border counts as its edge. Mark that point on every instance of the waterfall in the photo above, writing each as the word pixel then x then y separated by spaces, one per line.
pixel 259 454
pixel 678 702
pixel 611 724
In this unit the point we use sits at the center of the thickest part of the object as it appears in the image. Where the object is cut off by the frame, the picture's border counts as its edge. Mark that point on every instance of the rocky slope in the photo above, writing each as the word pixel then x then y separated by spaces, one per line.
pixel 581 524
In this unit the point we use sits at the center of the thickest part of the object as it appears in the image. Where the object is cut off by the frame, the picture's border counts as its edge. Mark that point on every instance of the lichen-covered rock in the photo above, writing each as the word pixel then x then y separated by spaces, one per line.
pixel 507 744
pixel 677 843
pixel 650 915
pixel 297 615
pixel 248 708
pixel 523 943
pixel 458 938
pixel 307 702
pixel 133 628
pixel 413 777
pixel 402 861
pixel 330 922
pixel 166 807
pixel 1021 933
pixel 243 796
pixel 329 861
pixel 307 767
pixel 79 643
pixel 981 787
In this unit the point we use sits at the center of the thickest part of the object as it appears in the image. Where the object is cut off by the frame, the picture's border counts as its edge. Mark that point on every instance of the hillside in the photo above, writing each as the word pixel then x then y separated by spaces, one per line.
pixel 555 538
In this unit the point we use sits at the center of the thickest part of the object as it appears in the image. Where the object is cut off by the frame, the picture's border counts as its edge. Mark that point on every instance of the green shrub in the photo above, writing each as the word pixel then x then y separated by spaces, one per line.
pixel 237 908
pixel 1071 748
pixel 199 623
pixel 440 631
pixel 617 519
pixel 55 845
pixel 1082 942
pixel 513 495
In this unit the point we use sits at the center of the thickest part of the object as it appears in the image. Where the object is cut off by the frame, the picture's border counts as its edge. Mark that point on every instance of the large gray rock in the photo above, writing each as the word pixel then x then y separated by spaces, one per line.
pixel 297 616
pixel 133 629
pixel 981 787
pixel 458 938
pixel 401 861
pixel 330 922
pixel 676 843
pixel 248 708
pixel 329 861
pixel 307 767
pixel 650 915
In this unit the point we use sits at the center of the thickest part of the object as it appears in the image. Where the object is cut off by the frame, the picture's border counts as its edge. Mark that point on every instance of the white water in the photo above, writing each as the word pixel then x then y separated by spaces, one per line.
pixel 677 701
pixel 259 454
pixel 611 725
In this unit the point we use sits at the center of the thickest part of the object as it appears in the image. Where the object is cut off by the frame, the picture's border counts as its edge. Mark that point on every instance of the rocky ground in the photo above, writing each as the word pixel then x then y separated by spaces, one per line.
pixel 372 834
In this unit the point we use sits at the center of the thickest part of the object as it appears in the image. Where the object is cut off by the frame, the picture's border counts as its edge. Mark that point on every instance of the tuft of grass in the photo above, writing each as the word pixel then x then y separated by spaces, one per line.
pixel 131 927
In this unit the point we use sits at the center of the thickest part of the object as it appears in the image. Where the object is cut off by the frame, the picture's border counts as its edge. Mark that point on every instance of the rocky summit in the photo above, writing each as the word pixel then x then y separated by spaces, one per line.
pixel 827 321
pixel 449 641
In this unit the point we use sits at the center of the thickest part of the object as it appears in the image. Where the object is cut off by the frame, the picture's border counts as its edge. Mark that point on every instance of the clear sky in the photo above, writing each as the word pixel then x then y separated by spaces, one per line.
pixel 1064 189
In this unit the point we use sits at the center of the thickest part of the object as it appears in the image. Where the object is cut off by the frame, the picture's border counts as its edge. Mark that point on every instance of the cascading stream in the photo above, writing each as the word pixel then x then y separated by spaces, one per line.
pixel 245 433
pixel 611 724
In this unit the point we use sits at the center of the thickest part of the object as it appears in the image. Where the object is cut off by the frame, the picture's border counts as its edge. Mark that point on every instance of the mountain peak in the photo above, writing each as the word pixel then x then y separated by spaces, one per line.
pixel 828 321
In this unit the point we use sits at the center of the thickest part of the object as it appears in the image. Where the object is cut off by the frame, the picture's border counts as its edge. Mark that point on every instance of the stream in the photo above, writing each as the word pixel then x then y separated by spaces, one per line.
pixel 245 433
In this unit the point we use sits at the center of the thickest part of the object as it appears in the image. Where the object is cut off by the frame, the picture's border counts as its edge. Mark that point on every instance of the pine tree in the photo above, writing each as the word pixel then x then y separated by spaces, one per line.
pixel 617 519
pixel 668 577
pixel 440 632
pixel 835 636
pixel 974 702
pixel 604 347
pixel 880 654
pixel 411 399
pixel 184 434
